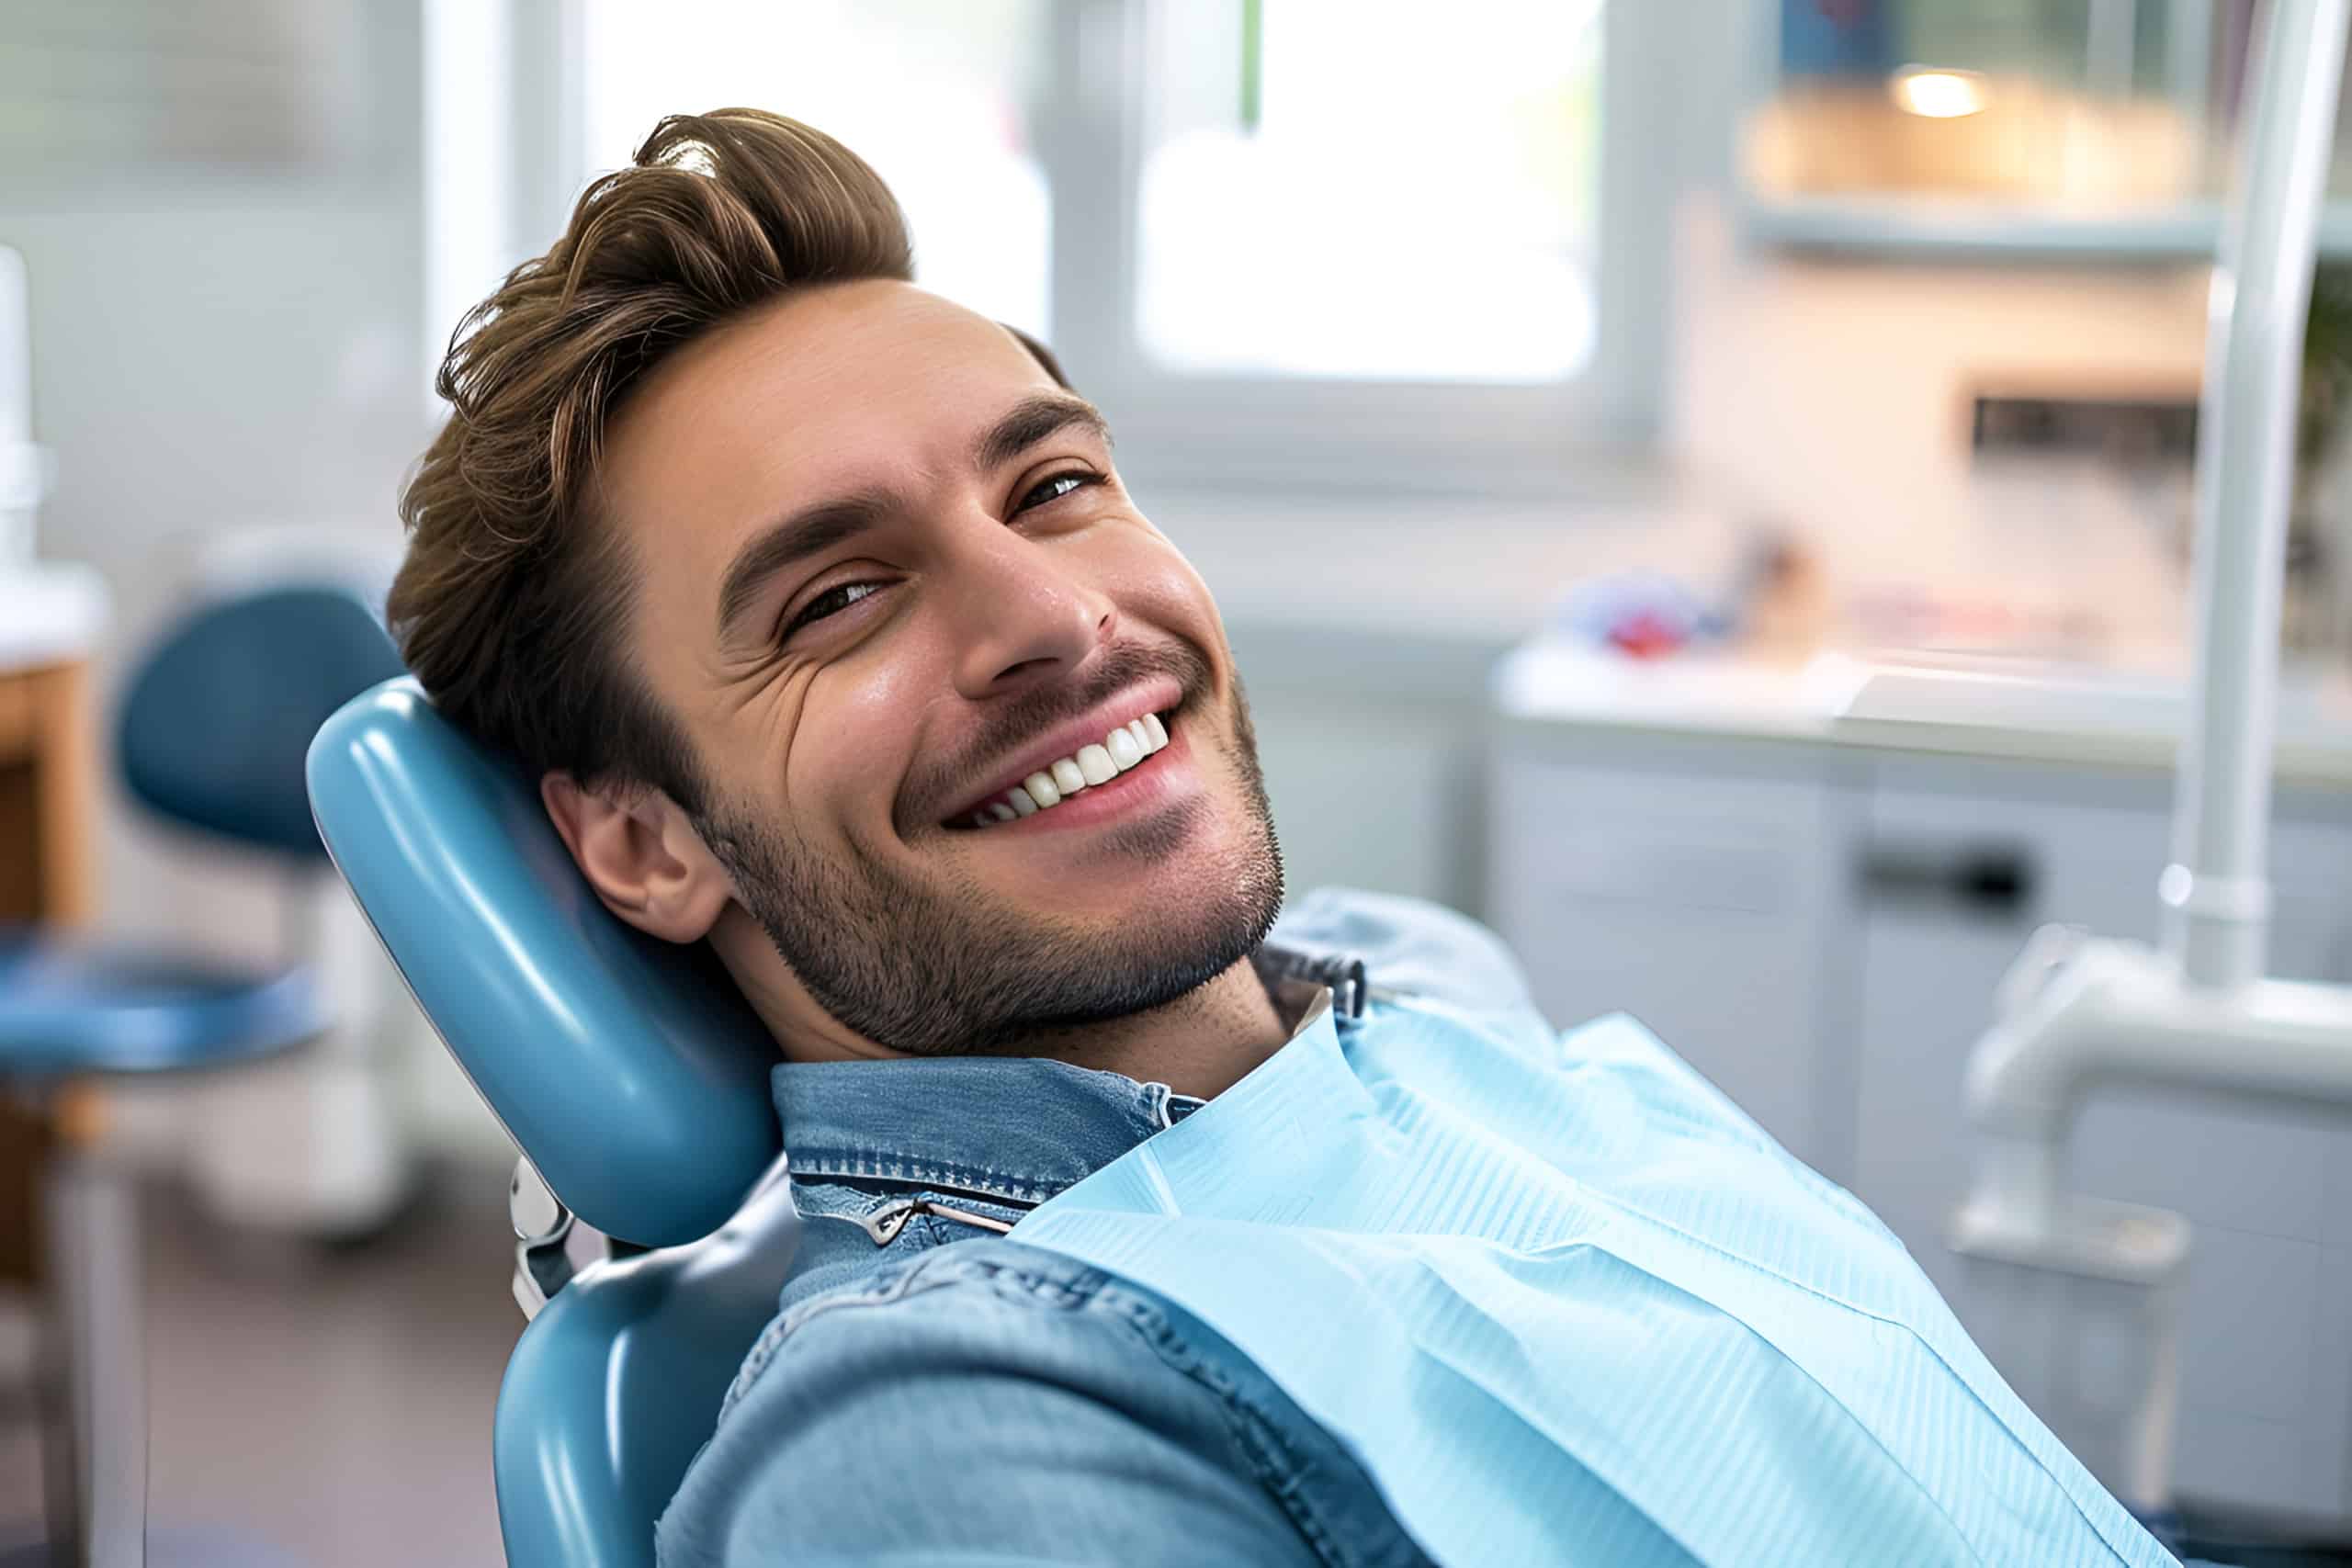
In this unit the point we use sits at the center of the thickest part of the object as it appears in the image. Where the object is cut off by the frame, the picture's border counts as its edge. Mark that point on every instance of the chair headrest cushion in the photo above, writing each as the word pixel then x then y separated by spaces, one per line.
pixel 630 1071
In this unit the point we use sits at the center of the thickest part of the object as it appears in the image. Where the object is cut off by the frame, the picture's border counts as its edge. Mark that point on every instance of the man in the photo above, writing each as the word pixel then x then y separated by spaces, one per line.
pixel 817 606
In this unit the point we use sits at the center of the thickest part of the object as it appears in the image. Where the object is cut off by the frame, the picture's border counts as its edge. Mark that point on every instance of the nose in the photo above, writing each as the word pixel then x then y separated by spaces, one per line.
pixel 1020 615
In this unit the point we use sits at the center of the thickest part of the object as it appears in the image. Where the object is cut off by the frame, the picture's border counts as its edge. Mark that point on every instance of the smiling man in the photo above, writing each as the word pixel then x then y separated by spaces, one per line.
pixel 946 749
pixel 817 605
pixel 970 769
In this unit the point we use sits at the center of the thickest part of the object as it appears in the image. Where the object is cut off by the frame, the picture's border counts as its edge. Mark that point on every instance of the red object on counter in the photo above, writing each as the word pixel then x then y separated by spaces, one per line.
pixel 1646 636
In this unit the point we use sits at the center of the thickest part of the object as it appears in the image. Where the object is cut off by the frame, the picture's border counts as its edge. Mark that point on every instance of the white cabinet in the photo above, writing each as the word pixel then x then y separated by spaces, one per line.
pixel 1702 904
pixel 2266 1387
pixel 1821 935
pixel 1930 957
pixel 2257 1427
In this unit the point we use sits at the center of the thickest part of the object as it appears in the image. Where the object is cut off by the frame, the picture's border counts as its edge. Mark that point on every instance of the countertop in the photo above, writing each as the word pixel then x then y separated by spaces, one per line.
pixel 51 612
pixel 1445 569
pixel 1415 597
pixel 1977 707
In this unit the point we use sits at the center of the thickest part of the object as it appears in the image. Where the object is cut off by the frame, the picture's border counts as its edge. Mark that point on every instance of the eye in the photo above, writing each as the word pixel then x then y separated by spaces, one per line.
pixel 831 602
pixel 1054 488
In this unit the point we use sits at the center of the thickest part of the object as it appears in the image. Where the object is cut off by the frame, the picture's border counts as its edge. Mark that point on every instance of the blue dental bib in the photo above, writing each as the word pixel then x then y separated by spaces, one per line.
pixel 1570 1305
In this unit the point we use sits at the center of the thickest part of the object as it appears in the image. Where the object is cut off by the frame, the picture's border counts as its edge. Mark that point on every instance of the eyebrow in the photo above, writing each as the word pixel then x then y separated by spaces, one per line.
pixel 822 526
pixel 1032 420
pixel 810 531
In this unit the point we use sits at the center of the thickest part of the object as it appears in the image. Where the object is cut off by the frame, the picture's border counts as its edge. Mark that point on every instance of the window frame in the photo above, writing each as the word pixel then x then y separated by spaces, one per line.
pixel 1331 432
pixel 1215 431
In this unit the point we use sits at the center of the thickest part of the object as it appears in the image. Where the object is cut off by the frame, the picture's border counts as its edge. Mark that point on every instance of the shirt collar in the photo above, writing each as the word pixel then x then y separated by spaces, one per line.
pixel 1018 1129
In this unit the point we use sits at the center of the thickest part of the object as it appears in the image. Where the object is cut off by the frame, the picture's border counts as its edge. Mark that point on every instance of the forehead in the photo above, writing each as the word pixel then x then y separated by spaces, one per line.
pixel 848 385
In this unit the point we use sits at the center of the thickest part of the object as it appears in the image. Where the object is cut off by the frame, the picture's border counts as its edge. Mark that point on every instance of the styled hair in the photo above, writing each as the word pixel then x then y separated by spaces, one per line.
pixel 513 602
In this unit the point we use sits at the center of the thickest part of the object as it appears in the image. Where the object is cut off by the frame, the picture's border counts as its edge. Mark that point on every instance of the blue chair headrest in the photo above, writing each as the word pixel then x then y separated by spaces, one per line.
pixel 219 712
pixel 632 1071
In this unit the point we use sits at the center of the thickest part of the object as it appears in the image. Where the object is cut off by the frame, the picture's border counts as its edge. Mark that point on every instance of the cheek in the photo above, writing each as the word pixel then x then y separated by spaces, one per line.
pixel 1151 578
pixel 845 757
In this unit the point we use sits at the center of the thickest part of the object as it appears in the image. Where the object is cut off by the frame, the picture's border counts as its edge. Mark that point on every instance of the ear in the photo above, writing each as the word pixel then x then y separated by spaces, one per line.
pixel 643 855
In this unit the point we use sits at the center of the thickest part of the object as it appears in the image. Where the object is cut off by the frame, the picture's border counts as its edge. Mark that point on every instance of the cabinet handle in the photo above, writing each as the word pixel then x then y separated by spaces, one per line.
pixel 1988 880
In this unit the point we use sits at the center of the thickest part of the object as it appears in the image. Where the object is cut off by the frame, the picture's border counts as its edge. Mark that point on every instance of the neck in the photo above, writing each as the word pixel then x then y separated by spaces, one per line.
pixel 1201 1043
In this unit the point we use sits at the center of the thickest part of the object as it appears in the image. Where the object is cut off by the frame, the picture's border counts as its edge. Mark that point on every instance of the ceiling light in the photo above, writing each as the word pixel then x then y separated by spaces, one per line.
pixel 1935 93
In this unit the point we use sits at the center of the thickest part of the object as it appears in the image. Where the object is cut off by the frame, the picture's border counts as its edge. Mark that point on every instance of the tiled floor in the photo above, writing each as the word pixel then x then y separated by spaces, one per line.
pixel 322 1407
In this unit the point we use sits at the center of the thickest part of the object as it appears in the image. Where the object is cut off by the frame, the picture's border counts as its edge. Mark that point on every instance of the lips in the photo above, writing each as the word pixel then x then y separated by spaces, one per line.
pixel 1120 752
pixel 1069 744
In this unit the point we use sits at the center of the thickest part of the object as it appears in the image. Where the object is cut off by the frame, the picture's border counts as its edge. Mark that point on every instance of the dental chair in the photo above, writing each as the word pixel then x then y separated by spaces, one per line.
pixel 634 1079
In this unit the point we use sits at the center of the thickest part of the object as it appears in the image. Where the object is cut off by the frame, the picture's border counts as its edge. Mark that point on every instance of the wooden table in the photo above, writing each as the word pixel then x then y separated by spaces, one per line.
pixel 49 797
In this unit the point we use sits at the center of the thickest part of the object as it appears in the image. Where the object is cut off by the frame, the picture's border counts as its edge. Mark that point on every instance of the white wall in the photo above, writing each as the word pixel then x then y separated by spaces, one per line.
pixel 213 352
pixel 226 364
pixel 1835 394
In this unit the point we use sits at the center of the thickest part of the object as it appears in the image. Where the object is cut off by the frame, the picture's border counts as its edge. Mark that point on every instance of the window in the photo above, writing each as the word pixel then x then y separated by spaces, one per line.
pixel 1331 189
pixel 935 96
pixel 230 88
pixel 1319 240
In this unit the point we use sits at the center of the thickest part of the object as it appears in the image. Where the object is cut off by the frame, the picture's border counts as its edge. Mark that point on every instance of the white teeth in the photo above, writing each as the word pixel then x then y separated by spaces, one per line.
pixel 1120 749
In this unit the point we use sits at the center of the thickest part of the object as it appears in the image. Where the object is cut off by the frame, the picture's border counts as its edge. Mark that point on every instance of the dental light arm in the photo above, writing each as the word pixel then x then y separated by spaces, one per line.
pixel 2199 1013
pixel 2114 1010
pixel 2073 1295
pixel 2215 892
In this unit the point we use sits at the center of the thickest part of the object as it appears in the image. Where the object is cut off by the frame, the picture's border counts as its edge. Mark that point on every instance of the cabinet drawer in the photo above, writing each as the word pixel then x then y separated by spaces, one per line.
pixel 1696 904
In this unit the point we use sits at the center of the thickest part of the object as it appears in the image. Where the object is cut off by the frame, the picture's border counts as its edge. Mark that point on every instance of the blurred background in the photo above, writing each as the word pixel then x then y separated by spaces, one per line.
pixel 1703 485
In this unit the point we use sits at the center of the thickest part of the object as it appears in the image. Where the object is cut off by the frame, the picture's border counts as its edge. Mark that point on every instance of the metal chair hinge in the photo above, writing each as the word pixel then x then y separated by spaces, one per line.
pixel 885 1223
pixel 542 1228
pixel 1343 975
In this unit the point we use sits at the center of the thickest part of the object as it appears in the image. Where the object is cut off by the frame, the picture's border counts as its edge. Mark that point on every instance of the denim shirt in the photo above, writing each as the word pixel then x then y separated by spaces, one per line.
pixel 933 1393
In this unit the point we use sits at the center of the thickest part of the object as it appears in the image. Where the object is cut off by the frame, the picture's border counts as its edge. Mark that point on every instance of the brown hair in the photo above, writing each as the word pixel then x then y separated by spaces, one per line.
pixel 510 606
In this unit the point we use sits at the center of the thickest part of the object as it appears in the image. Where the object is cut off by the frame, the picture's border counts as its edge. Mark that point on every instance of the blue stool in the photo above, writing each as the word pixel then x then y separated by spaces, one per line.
pixel 212 737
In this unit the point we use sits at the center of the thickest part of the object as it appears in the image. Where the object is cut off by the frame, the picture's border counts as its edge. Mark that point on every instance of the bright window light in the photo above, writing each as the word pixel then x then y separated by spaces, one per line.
pixel 936 97
pixel 466 199
pixel 1371 190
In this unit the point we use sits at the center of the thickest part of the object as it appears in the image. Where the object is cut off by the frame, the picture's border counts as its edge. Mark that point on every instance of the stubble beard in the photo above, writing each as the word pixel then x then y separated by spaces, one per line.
pixel 939 967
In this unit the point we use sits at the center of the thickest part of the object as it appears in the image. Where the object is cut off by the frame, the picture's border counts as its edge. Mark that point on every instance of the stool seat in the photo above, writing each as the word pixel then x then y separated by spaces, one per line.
pixel 78 1005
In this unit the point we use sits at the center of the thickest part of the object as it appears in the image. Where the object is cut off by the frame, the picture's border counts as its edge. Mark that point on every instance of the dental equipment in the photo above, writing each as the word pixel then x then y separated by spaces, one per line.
pixel 2076 1011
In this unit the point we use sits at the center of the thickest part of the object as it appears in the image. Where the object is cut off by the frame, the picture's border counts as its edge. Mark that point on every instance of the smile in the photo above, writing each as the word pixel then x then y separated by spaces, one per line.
pixel 1120 751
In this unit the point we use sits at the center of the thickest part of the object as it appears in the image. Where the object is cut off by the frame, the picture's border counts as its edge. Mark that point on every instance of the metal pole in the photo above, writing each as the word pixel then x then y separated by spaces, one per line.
pixel 94 1252
pixel 2216 893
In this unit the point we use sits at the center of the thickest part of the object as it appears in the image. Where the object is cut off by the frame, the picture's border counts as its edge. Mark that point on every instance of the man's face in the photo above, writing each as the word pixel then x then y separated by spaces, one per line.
pixel 884 572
